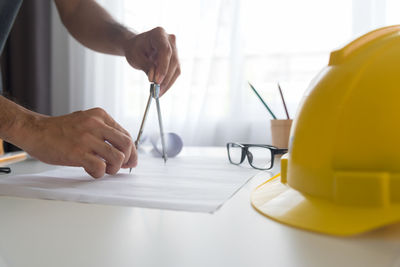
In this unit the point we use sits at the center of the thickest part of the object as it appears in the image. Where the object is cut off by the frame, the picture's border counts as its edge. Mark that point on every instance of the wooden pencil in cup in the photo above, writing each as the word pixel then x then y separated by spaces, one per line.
pixel 283 101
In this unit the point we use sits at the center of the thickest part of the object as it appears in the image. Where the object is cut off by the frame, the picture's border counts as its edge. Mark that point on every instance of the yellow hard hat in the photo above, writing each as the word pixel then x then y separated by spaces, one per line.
pixel 341 175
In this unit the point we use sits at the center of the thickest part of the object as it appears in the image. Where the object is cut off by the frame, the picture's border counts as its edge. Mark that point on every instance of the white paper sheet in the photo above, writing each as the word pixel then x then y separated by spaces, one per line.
pixel 191 183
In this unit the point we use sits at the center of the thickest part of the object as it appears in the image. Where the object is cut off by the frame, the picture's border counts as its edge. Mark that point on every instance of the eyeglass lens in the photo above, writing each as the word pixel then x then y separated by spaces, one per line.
pixel 235 153
pixel 259 157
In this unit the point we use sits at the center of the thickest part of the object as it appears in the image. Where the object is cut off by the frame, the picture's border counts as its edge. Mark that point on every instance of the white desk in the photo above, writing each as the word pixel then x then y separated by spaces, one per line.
pixel 52 233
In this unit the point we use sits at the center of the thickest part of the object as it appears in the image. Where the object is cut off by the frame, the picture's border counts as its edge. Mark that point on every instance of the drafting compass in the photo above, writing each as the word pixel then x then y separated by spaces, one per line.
pixel 154 93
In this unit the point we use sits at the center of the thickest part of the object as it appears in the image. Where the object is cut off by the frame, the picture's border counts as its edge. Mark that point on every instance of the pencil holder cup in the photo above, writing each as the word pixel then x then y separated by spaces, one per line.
pixel 280 131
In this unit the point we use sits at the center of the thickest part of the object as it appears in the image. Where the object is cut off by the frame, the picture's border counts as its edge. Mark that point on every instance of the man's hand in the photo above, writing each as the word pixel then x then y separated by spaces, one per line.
pixel 90 139
pixel 155 53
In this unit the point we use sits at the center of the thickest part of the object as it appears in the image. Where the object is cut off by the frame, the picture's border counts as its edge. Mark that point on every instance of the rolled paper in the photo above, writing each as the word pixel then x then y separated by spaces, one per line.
pixel 173 143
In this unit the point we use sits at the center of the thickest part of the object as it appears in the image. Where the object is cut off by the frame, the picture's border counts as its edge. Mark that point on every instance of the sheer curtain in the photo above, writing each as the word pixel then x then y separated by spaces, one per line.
pixel 223 44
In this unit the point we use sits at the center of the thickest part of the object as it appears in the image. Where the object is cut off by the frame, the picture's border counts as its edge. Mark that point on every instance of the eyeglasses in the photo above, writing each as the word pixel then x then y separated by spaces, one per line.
pixel 260 157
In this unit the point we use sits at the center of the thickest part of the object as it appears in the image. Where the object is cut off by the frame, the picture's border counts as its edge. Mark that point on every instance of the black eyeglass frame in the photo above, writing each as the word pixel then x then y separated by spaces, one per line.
pixel 245 153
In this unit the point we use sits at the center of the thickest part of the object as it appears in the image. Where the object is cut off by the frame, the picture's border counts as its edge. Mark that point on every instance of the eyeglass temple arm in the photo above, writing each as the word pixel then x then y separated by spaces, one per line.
pixel 281 151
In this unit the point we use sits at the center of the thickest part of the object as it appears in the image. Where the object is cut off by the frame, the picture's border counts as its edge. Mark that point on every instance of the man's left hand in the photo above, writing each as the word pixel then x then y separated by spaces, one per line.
pixel 155 53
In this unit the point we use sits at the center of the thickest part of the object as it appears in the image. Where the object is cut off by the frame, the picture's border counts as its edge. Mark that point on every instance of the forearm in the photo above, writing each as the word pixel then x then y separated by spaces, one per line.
pixel 14 120
pixel 93 26
pixel 153 51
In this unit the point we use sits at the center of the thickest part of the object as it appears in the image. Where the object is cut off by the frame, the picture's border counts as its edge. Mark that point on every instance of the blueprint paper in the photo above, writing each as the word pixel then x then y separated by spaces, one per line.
pixel 190 183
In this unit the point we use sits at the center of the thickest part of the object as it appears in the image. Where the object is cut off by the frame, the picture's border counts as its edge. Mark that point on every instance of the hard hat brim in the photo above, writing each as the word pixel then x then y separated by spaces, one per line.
pixel 281 203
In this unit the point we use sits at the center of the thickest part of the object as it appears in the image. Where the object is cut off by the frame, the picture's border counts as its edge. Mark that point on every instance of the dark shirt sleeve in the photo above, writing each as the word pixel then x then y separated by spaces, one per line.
pixel 8 12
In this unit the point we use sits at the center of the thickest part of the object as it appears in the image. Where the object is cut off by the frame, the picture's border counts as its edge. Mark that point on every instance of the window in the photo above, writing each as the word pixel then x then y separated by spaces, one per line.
pixel 222 45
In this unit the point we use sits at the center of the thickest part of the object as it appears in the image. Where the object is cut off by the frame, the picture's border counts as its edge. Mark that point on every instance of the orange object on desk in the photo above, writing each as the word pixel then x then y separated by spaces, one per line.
pixel 11 156
pixel 1 147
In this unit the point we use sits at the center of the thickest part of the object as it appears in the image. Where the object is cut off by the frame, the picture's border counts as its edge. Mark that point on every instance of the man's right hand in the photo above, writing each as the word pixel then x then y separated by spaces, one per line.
pixel 90 139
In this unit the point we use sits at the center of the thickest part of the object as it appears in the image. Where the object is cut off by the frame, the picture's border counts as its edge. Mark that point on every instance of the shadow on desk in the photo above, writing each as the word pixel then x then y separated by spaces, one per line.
pixel 389 232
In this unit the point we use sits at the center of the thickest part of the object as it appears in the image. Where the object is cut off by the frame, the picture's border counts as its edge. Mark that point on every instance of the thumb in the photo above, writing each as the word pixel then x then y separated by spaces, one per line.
pixel 150 74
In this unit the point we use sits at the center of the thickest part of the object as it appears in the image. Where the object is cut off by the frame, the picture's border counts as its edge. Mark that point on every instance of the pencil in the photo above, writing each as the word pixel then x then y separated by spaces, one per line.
pixel 283 101
pixel 262 100
pixel 13 156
